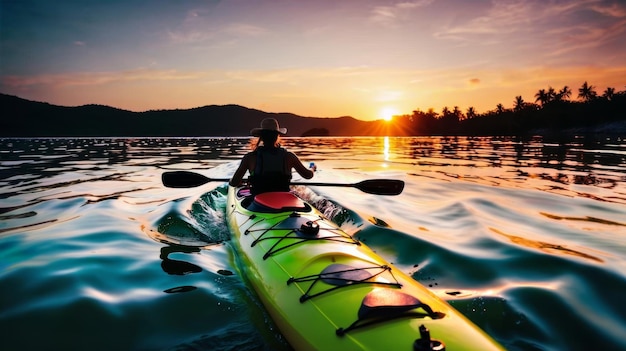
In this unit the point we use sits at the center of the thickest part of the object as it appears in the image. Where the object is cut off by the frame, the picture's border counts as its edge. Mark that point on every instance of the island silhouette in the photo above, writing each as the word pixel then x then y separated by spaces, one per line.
pixel 553 112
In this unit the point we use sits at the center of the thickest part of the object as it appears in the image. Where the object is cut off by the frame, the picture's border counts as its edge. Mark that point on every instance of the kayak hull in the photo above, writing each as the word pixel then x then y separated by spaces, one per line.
pixel 326 290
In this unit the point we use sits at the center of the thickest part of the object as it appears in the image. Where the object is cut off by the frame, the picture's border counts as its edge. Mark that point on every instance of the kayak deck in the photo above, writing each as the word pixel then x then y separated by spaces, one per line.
pixel 326 290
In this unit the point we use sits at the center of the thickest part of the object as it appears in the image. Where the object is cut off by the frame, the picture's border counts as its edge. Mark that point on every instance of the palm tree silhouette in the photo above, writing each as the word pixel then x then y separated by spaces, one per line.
pixel 587 92
pixel 457 112
pixel 445 111
pixel 471 112
pixel 565 93
pixel 542 96
pixel 552 95
pixel 519 103
pixel 609 93
pixel 500 109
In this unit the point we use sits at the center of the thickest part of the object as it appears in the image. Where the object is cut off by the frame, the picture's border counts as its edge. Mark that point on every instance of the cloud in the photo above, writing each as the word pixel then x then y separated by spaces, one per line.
pixel 551 28
pixel 391 13
pixel 612 10
pixel 203 24
pixel 383 14
pixel 502 17
pixel 188 36
pixel 583 36
pixel 96 78
pixel 245 30
pixel 474 81
pixel 282 76
pixel 293 75
pixel 521 16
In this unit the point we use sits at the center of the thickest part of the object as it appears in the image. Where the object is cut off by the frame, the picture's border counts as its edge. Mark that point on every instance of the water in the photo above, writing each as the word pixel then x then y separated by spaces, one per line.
pixel 526 238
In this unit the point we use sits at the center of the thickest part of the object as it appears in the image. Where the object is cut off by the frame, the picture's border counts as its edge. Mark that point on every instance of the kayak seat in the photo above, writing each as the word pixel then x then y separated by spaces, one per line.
pixel 278 201
pixel 382 305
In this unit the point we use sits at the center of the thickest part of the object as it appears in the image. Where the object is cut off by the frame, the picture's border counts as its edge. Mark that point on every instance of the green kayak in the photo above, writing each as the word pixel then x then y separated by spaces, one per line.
pixel 325 290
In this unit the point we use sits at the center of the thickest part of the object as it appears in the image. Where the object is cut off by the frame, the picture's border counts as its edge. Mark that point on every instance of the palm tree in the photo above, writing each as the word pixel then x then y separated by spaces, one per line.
pixel 587 92
pixel 565 93
pixel 519 103
pixel 609 93
pixel 500 109
pixel 542 96
pixel 552 95
pixel 471 112
pixel 457 112
pixel 445 112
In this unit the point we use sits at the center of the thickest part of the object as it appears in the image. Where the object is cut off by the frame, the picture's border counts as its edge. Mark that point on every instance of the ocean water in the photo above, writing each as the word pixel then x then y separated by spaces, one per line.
pixel 527 238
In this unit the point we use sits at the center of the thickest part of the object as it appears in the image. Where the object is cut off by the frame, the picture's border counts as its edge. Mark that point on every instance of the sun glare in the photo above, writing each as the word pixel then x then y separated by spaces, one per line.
pixel 387 113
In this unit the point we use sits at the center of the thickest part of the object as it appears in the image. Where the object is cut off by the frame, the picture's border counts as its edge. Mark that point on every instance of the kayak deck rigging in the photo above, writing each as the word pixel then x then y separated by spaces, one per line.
pixel 296 230
pixel 340 275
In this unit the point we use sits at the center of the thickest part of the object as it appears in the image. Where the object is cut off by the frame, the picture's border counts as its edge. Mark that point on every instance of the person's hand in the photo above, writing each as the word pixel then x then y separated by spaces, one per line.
pixel 312 166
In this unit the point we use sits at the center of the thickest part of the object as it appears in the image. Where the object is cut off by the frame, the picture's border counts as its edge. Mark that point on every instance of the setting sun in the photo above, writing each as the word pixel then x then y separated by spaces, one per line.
pixel 387 113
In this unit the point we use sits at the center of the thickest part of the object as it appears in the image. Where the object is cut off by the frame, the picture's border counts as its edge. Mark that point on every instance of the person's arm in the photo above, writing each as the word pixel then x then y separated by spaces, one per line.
pixel 240 172
pixel 295 163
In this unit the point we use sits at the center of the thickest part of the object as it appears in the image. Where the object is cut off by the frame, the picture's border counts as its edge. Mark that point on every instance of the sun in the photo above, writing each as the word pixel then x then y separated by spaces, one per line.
pixel 387 113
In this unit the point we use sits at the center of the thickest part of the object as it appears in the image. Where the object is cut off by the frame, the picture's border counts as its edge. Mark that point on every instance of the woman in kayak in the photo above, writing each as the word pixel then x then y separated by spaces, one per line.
pixel 269 164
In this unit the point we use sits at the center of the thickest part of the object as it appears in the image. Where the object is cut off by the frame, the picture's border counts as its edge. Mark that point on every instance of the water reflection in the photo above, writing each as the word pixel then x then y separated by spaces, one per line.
pixel 180 289
pixel 583 219
pixel 44 158
pixel 26 163
pixel 177 267
pixel 546 247
pixel 386 148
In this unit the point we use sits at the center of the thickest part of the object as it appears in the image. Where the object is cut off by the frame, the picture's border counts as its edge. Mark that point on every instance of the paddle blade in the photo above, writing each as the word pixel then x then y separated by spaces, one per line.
pixel 183 179
pixel 381 186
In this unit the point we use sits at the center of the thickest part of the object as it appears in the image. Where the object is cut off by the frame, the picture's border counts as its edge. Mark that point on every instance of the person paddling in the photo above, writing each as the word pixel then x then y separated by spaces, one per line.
pixel 269 164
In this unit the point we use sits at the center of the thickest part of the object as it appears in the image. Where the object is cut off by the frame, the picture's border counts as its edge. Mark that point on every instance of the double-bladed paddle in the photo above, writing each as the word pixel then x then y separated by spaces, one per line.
pixel 186 179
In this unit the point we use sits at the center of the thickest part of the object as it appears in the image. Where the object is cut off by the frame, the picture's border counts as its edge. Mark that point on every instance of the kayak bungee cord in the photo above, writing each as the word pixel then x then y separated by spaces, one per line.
pixel 331 234
pixel 342 276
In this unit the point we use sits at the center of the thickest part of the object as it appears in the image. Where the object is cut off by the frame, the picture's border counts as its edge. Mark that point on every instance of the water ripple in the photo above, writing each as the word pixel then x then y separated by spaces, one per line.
pixel 524 237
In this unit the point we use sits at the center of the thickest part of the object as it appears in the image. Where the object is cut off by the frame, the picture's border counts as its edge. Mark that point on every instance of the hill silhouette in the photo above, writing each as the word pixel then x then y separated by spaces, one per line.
pixel 24 118
pixel 556 115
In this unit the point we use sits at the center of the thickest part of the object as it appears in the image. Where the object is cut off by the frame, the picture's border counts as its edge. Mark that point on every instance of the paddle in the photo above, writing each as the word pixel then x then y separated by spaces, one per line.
pixel 186 179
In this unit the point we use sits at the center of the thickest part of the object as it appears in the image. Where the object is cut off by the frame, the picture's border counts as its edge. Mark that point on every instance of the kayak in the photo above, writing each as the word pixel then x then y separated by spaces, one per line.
pixel 325 290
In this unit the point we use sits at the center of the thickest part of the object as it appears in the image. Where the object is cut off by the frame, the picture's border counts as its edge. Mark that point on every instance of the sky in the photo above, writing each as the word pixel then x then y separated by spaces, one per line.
pixel 323 58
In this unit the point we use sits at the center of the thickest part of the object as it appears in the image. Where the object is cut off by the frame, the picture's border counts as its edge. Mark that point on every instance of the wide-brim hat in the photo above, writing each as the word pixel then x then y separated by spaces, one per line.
pixel 268 124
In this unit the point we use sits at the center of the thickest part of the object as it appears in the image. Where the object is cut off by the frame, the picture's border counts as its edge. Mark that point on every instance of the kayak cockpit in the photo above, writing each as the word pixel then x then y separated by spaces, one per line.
pixel 272 202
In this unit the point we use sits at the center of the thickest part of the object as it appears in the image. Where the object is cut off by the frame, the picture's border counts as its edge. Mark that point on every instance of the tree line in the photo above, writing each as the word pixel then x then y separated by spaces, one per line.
pixel 552 111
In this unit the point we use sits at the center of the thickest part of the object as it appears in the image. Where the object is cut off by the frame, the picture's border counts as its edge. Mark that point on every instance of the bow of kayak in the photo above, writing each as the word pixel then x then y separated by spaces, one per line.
pixel 326 290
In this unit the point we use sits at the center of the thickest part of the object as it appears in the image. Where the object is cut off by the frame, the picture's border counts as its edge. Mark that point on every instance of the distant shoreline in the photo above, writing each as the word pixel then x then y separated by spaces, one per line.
pixel 24 118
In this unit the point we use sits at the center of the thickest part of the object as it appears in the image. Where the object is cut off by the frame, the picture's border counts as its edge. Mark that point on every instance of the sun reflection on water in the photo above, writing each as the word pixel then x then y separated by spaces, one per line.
pixel 386 153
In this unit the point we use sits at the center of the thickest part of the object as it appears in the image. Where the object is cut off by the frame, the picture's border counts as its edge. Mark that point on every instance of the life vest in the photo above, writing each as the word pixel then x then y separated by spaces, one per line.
pixel 270 171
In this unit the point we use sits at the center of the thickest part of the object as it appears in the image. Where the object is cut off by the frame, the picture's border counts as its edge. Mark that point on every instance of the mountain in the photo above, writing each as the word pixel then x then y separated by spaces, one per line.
pixel 24 118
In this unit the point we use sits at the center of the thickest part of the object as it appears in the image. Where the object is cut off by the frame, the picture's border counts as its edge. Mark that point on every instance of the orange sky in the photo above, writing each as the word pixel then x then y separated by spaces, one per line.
pixel 318 59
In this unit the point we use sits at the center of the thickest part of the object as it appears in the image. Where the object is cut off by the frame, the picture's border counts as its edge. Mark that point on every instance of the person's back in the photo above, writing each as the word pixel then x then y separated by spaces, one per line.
pixel 269 165
pixel 271 170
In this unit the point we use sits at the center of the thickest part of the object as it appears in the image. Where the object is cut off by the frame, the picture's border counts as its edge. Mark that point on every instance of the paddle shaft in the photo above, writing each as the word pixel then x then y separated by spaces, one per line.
pixel 187 179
